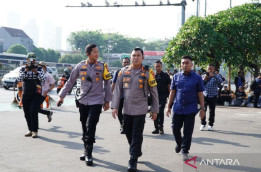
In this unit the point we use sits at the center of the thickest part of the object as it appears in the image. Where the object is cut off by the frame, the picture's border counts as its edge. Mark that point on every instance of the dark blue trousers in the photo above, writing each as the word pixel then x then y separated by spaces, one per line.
pixel 133 126
pixel 177 122
pixel 89 117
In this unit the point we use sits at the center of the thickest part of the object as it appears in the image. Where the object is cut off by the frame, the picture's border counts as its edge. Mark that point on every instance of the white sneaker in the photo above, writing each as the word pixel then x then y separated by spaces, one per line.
pixel 202 127
pixel 210 128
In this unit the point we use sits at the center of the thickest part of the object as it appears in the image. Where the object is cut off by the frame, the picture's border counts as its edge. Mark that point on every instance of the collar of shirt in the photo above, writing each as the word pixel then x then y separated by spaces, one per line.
pixel 189 74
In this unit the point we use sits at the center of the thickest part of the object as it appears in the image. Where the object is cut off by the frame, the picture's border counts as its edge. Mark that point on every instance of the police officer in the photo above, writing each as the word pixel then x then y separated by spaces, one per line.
pixel 135 82
pixel 31 75
pixel 125 62
pixel 95 82
pixel 163 85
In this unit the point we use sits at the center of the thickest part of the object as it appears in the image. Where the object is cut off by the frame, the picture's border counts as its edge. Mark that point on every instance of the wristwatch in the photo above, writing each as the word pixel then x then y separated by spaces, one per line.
pixel 202 108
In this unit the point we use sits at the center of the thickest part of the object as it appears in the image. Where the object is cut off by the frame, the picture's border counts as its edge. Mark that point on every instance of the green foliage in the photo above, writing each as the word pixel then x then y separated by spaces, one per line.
pixel 17 49
pixel 232 36
pixel 47 55
pixel 40 54
pixel 112 42
pixel 72 58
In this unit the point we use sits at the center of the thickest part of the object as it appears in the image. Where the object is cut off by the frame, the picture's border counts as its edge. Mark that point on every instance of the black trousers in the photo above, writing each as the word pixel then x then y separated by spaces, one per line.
pixel 133 127
pixel 256 97
pixel 120 115
pixel 158 123
pixel 31 105
pixel 89 117
pixel 211 102
pixel 225 98
pixel 177 122
pixel 42 111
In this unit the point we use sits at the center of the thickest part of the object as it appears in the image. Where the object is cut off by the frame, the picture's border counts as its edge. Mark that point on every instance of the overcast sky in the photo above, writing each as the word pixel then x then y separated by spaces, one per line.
pixel 145 22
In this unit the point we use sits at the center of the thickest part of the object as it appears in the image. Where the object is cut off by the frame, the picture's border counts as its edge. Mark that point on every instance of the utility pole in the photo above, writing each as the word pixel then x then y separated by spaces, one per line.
pixel 230 4
pixel 197 14
pixel 183 8
pixel 116 5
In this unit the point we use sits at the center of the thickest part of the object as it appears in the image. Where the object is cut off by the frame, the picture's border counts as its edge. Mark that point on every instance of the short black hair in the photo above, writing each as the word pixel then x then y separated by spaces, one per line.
pixel 158 61
pixel 126 58
pixel 187 57
pixel 138 49
pixel 211 65
pixel 217 70
pixel 89 47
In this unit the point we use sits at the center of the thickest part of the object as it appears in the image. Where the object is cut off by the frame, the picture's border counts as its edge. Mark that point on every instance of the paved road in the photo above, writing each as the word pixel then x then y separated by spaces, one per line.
pixel 237 131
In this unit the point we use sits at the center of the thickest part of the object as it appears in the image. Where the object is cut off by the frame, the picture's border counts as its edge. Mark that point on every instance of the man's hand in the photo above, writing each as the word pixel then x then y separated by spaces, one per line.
pixel 168 112
pixel 106 106
pixel 59 102
pixel 202 114
pixel 211 74
pixel 153 116
pixel 114 113
pixel 206 77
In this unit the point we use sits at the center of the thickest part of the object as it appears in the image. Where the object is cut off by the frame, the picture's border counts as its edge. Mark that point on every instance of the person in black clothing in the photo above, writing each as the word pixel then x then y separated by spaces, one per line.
pixel 225 95
pixel 31 75
pixel 257 90
pixel 163 85
pixel 240 96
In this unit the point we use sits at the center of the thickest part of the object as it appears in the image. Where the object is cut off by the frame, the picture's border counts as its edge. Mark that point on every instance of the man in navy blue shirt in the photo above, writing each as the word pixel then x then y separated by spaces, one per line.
pixel 186 92
pixel 125 62
pixel 212 83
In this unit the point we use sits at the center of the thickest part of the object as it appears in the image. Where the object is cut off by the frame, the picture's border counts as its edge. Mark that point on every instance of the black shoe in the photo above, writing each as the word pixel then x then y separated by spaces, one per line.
pixel 132 165
pixel 178 148
pixel 156 131
pixel 161 131
pixel 89 160
pixel 82 157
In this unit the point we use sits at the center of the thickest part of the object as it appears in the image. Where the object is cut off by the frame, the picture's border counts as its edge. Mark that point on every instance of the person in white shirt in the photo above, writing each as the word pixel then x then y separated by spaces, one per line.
pixel 47 86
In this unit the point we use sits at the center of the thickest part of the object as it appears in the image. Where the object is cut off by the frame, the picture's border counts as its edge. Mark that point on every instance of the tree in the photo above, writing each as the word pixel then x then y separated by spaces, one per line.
pixel 52 56
pixel 17 49
pixel 232 36
pixel 72 58
pixel 40 54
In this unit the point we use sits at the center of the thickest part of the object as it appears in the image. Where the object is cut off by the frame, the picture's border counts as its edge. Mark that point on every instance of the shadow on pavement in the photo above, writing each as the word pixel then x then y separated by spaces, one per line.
pixel 237 133
pixel 74 145
pixel 152 166
pixel 66 144
pixel 212 141
pixel 109 165
pixel 161 136
pixel 69 133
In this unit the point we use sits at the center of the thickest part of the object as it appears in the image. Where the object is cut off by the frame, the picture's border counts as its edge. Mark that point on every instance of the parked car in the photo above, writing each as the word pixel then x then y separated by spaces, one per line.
pixel 55 71
pixel 9 79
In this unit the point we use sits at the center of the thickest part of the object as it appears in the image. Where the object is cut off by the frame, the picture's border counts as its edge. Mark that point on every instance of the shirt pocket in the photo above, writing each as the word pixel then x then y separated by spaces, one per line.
pixel 97 75
pixel 126 82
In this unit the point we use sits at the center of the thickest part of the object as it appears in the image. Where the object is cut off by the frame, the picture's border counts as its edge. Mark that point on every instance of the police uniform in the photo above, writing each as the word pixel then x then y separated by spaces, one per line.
pixel 94 83
pixel 31 95
pixel 135 84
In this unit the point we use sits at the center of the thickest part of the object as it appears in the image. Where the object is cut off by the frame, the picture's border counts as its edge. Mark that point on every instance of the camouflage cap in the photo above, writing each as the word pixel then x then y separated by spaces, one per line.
pixel 31 55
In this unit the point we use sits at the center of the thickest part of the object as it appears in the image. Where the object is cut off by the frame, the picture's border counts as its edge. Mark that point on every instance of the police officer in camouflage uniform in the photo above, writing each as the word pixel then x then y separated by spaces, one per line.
pixel 31 75
pixel 95 81
pixel 135 82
